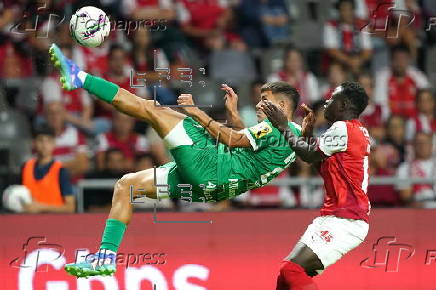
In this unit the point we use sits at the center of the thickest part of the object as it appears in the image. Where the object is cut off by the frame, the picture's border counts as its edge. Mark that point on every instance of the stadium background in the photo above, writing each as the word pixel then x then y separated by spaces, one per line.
pixel 164 47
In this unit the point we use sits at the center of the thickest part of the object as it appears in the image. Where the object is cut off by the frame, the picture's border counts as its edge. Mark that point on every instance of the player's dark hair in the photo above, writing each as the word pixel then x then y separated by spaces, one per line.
pixel 113 48
pixel 285 89
pixel 399 48
pixel 420 92
pixel 111 150
pixel 43 129
pixel 357 96
pixel 340 2
pixel 289 49
pixel 147 155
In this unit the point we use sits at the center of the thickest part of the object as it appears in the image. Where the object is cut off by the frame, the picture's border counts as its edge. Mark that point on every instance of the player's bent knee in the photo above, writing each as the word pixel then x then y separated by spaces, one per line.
pixel 122 186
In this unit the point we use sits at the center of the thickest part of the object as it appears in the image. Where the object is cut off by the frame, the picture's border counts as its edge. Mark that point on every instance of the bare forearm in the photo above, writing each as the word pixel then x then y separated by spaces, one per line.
pixel 66 208
pixel 223 134
pixel 235 120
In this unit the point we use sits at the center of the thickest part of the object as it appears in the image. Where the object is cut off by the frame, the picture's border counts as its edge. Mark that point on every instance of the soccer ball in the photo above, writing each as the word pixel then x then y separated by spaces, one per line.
pixel 89 26
pixel 15 197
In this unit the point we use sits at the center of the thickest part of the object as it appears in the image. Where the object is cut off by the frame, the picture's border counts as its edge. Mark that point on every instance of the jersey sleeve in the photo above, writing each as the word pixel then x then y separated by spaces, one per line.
pixel 334 140
pixel 262 135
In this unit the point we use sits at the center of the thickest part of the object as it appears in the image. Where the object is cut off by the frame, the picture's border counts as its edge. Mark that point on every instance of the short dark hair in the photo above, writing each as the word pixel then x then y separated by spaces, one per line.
pixel 399 48
pixel 340 2
pixel 43 129
pixel 112 150
pixel 356 94
pixel 114 47
pixel 423 91
pixel 291 48
pixel 284 88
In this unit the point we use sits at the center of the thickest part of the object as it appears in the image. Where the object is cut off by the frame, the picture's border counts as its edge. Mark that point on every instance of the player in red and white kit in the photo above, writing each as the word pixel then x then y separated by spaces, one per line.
pixel 342 156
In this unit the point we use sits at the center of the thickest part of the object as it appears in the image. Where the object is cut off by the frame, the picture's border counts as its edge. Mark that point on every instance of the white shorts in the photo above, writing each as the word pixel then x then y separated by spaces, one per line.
pixel 331 237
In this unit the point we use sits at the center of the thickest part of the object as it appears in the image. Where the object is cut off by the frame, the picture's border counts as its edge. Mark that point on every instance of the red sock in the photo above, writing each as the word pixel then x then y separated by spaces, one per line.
pixel 293 277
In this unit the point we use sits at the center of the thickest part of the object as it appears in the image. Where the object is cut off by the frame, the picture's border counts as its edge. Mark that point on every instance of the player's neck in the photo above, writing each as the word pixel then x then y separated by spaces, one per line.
pixel 43 160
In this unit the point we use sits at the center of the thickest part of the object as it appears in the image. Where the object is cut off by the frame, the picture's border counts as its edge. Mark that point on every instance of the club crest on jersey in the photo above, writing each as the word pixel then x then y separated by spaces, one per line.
pixel 261 130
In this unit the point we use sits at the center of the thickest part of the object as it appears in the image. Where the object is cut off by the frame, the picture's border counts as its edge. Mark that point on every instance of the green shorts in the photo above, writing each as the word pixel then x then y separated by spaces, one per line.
pixel 194 174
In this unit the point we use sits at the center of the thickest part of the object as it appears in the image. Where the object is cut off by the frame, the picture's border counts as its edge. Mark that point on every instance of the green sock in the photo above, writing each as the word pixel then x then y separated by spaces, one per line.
pixel 112 235
pixel 103 89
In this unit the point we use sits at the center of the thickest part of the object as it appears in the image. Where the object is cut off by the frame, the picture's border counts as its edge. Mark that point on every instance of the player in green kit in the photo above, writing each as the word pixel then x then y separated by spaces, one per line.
pixel 203 169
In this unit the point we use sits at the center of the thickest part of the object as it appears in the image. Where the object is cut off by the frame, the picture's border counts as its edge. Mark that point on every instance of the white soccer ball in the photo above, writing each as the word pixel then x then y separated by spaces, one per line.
pixel 15 197
pixel 89 26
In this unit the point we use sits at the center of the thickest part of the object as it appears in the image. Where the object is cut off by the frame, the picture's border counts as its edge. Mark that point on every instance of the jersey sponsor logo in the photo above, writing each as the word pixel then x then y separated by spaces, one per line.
pixel 261 130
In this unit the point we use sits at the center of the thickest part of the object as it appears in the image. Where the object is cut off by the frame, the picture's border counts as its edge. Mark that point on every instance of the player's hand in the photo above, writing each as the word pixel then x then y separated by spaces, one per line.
pixel 308 121
pixel 231 98
pixel 275 115
pixel 187 103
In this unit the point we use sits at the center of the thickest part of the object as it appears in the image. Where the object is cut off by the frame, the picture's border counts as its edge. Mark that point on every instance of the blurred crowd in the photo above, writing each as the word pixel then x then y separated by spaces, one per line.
pixel 161 48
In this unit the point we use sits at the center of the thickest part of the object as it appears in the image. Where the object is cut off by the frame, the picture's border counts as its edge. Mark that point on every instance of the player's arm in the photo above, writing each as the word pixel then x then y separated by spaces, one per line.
pixel 69 206
pixel 231 102
pixel 307 151
pixel 223 134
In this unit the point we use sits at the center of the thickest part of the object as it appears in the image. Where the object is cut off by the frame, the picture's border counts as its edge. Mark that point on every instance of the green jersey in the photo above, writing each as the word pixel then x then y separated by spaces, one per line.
pixel 216 172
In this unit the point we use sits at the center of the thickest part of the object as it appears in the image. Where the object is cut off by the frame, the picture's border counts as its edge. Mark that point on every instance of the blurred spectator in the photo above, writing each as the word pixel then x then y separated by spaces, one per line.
pixel 295 73
pixel 274 16
pixel 250 24
pixel 425 120
pixel 203 19
pixel 404 29
pixel 263 22
pixel 144 161
pixel 118 72
pixel 123 138
pixel 423 166
pixel 48 181
pixel 344 41
pixel 335 76
pixel 394 145
pixel 77 103
pixel 396 86
pixel 113 168
pixel 372 116
pixel 149 10
pixel 381 165
pixel 230 61
pixel 70 144
pixel 145 59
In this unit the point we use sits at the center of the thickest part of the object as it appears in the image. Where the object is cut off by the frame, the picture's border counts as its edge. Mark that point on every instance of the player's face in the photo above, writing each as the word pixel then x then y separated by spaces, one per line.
pixel 424 146
pixel 265 96
pixel 331 106
pixel 44 145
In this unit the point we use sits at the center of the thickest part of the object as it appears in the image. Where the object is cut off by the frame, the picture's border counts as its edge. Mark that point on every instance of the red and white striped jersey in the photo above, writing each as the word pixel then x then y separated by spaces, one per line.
pixel 345 170
pixel 70 142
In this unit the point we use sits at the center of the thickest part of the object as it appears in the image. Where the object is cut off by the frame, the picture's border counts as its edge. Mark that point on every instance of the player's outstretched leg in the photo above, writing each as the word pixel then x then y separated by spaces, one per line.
pixel 162 119
pixel 130 186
